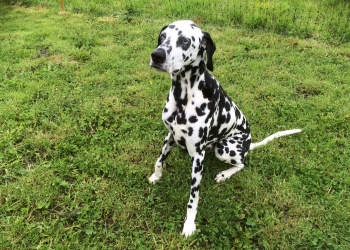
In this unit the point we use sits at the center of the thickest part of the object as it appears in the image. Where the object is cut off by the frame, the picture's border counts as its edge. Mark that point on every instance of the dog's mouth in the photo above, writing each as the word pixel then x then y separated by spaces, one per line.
pixel 158 68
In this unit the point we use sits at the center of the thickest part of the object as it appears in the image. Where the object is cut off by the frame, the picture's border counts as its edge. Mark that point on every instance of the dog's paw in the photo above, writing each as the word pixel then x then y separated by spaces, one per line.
pixel 154 178
pixel 189 228
pixel 221 177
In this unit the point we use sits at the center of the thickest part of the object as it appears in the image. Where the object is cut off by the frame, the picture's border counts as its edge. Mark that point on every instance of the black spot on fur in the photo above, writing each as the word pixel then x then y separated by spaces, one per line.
pixel 198 167
pixel 193 190
pixel 169 50
pixel 193 119
pixel 237 113
pixel 192 80
pixel 182 142
pixel 200 132
pixel 227 106
pixel 181 119
pixel 193 25
pixel 232 153
pixel 228 117
pixel 200 110
pixel 200 85
pixel 220 151
pixel 193 181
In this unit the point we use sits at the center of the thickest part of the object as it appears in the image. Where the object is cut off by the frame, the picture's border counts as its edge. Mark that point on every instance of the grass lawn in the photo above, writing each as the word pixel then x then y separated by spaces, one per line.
pixel 80 131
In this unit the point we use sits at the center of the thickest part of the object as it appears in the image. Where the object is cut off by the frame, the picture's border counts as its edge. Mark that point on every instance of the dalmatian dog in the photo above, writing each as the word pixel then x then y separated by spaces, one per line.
pixel 198 113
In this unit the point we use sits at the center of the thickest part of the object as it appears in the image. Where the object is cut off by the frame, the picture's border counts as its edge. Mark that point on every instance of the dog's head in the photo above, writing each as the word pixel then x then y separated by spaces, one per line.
pixel 181 44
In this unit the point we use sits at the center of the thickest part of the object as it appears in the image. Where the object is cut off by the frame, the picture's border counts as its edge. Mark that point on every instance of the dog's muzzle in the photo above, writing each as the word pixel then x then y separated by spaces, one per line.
pixel 158 58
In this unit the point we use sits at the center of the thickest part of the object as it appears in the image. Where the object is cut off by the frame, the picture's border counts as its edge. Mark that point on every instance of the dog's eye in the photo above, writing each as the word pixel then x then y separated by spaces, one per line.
pixel 163 36
pixel 185 41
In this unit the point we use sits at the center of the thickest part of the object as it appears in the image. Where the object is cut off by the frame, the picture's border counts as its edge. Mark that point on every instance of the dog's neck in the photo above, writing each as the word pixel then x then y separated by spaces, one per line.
pixel 190 74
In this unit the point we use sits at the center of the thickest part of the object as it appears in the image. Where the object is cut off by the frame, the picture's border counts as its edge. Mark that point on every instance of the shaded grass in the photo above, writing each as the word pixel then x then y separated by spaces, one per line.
pixel 80 124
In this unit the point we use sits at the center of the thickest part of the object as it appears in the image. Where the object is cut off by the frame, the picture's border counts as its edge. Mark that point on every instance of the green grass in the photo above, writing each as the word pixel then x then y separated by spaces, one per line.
pixel 327 19
pixel 80 131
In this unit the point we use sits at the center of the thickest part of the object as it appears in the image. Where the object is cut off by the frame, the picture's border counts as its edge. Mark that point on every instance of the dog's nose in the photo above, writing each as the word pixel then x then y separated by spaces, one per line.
pixel 158 56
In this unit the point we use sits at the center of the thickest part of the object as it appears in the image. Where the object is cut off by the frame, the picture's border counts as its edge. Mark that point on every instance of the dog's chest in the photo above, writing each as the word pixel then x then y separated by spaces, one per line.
pixel 186 112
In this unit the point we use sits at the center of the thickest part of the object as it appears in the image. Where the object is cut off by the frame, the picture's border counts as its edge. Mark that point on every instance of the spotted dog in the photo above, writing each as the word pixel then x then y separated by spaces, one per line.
pixel 198 113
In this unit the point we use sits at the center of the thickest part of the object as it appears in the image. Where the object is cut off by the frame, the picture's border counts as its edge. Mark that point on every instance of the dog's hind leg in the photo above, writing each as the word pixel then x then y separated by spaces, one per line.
pixel 233 152
pixel 158 167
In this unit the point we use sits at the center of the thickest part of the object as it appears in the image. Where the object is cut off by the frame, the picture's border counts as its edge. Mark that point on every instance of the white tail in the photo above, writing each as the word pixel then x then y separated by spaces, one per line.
pixel 274 136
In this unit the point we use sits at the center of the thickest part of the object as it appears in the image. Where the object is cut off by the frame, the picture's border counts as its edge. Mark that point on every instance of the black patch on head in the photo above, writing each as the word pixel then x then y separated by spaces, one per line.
pixel 169 50
pixel 210 48
pixel 193 39
pixel 171 26
pixel 232 153
pixel 183 43
pixel 179 33
pixel 161 36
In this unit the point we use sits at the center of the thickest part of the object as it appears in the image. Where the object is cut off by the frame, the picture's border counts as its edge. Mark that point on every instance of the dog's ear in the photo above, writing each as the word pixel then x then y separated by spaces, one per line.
pixel 208 44
pixel 159 38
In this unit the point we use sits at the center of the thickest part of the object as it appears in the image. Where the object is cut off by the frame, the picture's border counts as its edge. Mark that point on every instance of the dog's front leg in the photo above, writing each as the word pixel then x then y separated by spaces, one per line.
pixel 158 167
pixel 197 168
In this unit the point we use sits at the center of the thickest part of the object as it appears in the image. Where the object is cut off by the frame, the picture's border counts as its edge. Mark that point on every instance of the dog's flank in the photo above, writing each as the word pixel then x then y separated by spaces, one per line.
pixel 198 113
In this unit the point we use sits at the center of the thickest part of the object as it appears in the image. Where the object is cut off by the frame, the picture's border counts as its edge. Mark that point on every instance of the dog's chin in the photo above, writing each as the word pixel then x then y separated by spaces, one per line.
pixel 157 68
